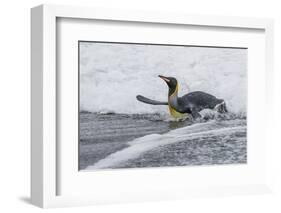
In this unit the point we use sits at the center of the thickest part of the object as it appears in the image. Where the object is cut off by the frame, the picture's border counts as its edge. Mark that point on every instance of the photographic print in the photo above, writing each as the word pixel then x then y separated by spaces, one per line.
pixel 160 105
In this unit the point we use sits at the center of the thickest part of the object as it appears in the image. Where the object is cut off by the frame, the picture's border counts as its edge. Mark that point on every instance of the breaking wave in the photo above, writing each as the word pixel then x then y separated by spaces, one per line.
pixel 111 75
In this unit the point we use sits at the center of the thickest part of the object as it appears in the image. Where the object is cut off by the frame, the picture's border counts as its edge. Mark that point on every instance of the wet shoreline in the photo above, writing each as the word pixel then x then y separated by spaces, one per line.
pixel 102 136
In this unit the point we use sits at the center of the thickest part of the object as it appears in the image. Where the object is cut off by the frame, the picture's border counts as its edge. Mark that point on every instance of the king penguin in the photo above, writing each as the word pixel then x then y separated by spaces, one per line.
pixel 190 104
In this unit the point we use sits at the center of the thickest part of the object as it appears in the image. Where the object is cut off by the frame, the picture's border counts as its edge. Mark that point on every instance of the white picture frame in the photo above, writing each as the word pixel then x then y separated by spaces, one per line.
pixel 44 149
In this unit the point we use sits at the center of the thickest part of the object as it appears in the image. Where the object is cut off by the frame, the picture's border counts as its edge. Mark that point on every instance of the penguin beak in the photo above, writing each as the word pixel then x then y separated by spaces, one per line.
pixel 167 80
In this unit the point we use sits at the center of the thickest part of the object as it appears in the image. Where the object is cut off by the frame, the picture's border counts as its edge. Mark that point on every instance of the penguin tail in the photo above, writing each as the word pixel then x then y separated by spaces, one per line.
pixel 149 101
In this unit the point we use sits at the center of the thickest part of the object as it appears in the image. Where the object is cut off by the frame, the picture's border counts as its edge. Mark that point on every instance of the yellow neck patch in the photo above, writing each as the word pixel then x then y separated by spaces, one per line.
pixel 176 90
pixel 174 113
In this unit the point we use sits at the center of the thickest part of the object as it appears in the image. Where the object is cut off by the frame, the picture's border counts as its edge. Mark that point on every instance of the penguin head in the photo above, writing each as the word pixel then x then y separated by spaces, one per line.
pixel 171 82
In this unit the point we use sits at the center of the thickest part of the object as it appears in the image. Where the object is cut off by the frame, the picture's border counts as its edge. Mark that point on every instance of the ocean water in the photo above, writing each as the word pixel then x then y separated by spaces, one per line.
pixel 111 75
pixel 117 131
pixel 128 141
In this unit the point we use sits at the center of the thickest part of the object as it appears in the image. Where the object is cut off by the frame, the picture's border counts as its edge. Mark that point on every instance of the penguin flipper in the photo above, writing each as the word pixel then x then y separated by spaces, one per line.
pixel 149 101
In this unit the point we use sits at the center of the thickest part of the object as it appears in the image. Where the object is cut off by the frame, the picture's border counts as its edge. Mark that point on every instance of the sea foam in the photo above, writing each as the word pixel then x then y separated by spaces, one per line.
pixel 111 75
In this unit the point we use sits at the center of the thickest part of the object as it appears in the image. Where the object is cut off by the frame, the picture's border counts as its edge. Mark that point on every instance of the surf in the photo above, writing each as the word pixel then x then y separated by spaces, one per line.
pixel 141 145
pixel 113 86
